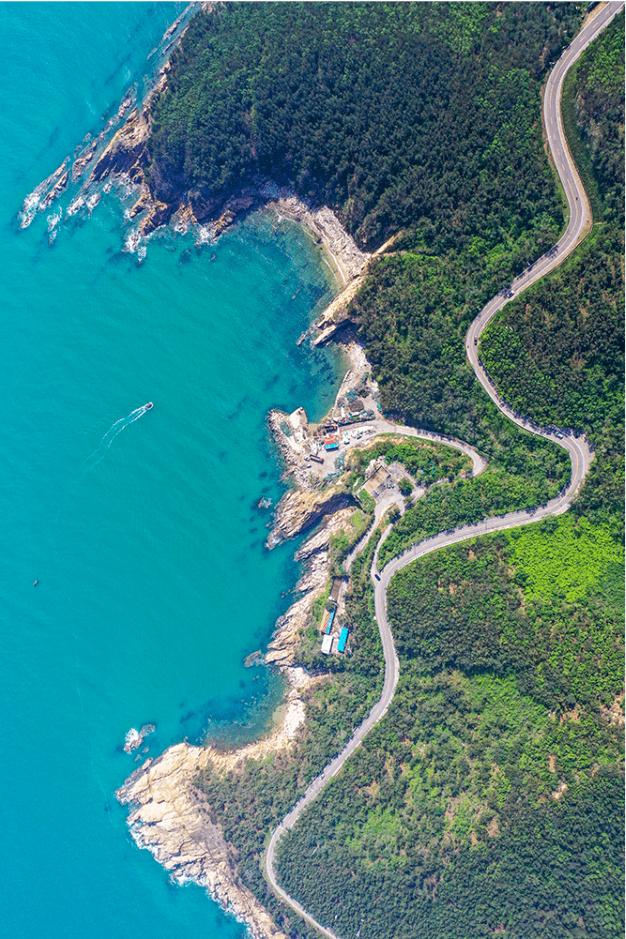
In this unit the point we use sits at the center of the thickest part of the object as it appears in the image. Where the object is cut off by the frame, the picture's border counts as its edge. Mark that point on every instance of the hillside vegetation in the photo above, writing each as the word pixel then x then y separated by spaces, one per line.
pixel 489 801
pixel 386 112
pixel 557 352
pixel 420 117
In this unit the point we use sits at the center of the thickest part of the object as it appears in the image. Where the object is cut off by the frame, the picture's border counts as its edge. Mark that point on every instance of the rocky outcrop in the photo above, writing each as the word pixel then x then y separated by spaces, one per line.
pixel 134 738
pixel 336 314
pixel 231 209
pixel 282 649
pixel 170 819
pixel 125 155
pixel 298 511
pixel 55 192
pixel 170 815
pixel 43 194
pixel 290 433
pixel 158 214
pixel 83 159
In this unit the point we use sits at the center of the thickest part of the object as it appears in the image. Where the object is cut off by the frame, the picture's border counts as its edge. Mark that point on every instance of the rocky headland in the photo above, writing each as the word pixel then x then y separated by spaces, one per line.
pixel 169 814
pixel 160 200
pixel 170 818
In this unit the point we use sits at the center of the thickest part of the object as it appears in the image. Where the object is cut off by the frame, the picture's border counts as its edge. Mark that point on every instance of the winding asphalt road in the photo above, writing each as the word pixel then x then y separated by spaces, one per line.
pixel 578 447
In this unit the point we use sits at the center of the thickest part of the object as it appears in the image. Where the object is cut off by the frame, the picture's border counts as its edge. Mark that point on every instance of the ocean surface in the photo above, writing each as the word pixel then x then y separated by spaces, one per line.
pixel 141 527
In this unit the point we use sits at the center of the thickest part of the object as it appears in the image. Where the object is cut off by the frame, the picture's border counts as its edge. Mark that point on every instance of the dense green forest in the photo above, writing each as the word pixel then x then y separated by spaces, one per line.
pixel 421 117
pixel 489 801
pixel 328 97
pixel 557 353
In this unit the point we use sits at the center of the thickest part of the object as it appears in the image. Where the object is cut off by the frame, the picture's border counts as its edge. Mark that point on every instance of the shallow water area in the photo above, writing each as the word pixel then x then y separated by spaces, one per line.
pixel 141 527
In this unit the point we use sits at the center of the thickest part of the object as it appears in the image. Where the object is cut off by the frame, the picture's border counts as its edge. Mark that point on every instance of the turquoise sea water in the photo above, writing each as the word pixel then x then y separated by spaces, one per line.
pixel 153 580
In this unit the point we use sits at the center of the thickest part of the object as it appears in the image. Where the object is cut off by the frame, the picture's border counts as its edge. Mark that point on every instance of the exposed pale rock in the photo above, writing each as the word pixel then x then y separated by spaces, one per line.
pixel 298 421
pixel 169 818
pixel 54 193
pixel 158 214
pixel 224 221
pixel 299 510
pixel 336 314
pixel 320 541
pixel 142 203
pixel 325 227
pixel 81 161
pixel 126 148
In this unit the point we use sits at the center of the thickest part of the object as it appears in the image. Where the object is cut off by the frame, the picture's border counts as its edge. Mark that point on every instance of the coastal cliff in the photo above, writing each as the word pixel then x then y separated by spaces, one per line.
pixel 161 200
pixel 127 157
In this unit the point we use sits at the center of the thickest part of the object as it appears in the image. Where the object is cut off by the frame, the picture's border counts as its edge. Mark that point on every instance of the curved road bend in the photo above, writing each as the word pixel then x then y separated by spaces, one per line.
pixel 578 448
pixel 479 463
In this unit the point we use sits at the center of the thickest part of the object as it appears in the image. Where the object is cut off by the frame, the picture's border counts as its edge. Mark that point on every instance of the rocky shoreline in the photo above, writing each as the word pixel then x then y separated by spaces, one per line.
pixel 126 159
pixel 124 162
pixel 169 815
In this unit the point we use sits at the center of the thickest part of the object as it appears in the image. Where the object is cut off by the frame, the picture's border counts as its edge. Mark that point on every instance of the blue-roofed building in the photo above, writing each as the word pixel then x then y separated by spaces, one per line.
pixel 343 638
pixel 329 625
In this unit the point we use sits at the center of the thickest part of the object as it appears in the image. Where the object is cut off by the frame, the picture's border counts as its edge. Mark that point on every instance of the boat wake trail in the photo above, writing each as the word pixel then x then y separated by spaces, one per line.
pixel 112 433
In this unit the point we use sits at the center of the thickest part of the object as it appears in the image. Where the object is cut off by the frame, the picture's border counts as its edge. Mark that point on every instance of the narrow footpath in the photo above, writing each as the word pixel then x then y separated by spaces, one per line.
pixel 580 222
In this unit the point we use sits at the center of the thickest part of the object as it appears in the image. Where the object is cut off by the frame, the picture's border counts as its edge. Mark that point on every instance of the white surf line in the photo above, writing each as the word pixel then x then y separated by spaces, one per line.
pixel 112 433
pixel 578 448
